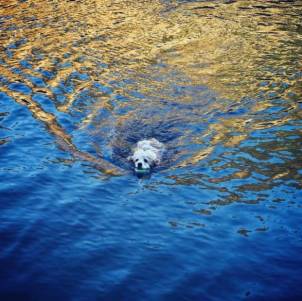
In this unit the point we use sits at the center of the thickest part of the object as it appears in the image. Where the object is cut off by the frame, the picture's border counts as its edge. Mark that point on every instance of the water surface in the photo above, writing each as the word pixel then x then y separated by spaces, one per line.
pixel 219 82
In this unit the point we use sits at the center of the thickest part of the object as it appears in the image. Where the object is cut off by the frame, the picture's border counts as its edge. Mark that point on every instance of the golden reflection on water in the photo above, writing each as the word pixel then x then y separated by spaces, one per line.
pixel 229 47
pixel 219 47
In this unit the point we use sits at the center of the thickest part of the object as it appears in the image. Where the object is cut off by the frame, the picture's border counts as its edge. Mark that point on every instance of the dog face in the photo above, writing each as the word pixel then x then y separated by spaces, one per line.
pixel 143 159
pixel 146 154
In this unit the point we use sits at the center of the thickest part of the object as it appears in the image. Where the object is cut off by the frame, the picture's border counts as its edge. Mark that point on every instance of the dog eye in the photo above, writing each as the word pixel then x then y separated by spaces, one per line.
pixel 145 160
pixel 136 160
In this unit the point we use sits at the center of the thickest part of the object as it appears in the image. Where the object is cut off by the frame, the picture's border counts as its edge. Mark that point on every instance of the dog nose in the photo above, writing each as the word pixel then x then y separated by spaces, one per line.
pixel 140 165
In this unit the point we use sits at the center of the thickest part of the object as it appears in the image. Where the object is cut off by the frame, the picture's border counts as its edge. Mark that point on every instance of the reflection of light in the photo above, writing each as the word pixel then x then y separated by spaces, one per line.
pixel 209 43
pixel 194 159
pixel 63 139
pixel 216 46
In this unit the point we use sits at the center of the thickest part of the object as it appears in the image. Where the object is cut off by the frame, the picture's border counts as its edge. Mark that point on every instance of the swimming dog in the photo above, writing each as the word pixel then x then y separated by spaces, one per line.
pixel 146 154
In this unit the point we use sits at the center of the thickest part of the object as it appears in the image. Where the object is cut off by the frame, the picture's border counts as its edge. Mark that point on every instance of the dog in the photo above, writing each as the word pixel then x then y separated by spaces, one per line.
pixel 146 154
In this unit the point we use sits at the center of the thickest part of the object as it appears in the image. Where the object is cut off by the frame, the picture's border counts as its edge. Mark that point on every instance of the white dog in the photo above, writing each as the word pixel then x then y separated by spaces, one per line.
pixel 147 154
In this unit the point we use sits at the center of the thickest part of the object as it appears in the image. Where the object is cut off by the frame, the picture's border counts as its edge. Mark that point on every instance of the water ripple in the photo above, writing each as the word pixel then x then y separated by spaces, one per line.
pixel 219 82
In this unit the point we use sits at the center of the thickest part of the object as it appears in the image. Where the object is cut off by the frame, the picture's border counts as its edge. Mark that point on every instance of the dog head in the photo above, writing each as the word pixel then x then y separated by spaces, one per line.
pixel 146 154
pixel 143 159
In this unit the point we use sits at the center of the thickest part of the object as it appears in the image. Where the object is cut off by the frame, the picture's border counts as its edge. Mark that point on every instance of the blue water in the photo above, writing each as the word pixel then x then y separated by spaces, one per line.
pixel 220 219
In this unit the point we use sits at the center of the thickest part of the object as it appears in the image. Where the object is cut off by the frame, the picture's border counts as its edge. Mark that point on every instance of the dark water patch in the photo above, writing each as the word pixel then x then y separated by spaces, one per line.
pixel 20 87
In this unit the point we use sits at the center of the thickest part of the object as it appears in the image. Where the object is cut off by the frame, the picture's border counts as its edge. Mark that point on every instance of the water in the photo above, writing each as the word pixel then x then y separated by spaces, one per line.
pixel 219 82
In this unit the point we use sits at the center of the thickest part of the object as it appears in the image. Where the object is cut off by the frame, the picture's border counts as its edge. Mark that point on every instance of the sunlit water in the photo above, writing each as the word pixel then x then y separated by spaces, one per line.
pixel 219 82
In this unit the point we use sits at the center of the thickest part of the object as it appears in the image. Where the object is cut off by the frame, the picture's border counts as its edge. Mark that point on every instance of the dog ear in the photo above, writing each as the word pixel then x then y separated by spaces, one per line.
pixel 155 143
pixel 130 158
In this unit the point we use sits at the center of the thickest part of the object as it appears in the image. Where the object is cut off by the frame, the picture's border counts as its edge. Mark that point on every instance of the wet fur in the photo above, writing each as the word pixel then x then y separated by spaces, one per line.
pixel 147 154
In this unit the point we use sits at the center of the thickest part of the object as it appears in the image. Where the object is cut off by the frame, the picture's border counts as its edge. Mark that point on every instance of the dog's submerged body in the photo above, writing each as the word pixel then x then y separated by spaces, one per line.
pixel 147 154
